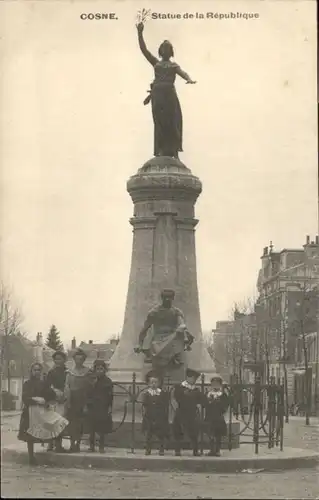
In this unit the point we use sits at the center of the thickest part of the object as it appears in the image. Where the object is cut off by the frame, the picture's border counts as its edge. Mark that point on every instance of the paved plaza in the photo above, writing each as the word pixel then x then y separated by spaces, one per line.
pixel 23 481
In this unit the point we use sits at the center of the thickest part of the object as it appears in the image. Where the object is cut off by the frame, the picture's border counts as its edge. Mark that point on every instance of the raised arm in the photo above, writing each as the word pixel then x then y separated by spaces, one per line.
pixel 146 53
pixel 184 75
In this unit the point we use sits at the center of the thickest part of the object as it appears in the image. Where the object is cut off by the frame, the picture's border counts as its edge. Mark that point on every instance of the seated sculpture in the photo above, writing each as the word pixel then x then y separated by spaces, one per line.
pixel 169 337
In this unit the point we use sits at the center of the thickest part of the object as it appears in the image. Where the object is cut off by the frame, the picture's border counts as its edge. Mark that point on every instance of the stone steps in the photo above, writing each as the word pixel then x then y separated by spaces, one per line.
pixel 122 437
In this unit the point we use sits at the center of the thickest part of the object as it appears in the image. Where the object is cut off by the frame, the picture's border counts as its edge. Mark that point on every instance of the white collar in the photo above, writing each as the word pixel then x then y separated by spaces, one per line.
pixel 188 386
pixel 154 392
pixel 214 394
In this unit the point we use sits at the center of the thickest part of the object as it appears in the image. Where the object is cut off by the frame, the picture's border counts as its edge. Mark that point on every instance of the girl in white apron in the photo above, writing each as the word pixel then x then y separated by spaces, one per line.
pixel 39 422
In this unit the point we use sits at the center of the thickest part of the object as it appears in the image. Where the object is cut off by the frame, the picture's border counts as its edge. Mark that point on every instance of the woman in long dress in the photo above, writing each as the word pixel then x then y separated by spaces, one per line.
pixel 56 381
pixel 77 385
pixel 166 109
pixel 39 423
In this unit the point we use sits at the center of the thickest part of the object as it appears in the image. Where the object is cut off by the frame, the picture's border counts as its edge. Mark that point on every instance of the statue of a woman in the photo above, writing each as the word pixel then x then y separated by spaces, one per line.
pixel 166 109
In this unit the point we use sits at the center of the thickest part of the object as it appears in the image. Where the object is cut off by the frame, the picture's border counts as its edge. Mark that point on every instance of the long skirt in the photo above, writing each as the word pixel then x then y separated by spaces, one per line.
pixel 76 414
pixel 40 424
pixel 101 424
pixel 168 121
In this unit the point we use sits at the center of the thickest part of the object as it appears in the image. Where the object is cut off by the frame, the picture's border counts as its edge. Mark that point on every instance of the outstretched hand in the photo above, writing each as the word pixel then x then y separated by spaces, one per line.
pixel 140 27
pixel 191 81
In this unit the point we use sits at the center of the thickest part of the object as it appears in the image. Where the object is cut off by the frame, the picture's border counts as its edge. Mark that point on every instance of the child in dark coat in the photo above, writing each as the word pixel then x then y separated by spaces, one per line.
pixel 187 415
pixel 99 404
pixel 216 406
pixel 56 381
pixel 155 413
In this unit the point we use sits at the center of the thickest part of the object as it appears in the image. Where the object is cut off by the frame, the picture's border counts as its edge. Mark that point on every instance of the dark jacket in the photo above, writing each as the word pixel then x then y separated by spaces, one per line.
pixel 155 413
pixel 99 403
pixel 214 414
pixel 188 401
pixel 56 377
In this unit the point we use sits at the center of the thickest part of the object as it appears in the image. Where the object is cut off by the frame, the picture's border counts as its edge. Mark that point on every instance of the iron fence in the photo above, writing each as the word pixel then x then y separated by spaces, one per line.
pixel 257 408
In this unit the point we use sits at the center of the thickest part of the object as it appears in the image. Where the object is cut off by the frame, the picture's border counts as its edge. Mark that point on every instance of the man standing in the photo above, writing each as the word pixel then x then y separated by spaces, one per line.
pixel 170 337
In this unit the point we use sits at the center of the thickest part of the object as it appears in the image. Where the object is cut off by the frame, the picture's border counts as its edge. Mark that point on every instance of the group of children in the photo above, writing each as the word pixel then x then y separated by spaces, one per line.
pixel 66 400
pixel 187 420
pixel 63 402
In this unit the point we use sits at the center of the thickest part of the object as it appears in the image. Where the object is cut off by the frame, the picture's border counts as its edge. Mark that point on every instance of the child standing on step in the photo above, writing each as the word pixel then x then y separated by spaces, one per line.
pixel 155 413
pixel 56 381
pixel 187 416
pixel 99 403
pixel 217 402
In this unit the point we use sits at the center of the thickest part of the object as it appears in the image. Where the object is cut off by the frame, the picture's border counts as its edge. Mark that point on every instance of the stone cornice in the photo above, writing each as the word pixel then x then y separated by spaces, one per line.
pixel 186 222
pixel 143 222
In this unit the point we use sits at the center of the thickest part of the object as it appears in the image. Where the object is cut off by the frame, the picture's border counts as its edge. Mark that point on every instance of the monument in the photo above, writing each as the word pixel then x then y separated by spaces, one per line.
pixel 164 192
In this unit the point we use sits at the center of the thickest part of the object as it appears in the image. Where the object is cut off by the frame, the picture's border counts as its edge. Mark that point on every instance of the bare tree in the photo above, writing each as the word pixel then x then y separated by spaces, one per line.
pixel 303 323
pixel 240 344
pixel 10 323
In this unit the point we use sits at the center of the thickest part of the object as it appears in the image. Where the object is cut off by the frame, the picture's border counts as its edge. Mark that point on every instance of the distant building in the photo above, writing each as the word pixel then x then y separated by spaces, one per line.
pixel 20 354
pixel 93 351
pixel 288 312
pixel 233 347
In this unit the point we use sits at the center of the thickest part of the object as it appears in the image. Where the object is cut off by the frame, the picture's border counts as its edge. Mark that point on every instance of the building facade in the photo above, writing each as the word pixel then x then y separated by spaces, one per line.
pixel 234 347
pixel 287 310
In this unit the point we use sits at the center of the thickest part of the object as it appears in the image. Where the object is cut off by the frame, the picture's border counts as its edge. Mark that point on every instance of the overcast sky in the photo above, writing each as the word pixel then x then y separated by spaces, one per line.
pixel 74 129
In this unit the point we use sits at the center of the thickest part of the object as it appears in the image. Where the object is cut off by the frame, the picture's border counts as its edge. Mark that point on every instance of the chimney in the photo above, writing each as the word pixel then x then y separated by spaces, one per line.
pixel 39 338
pixel 90 341
pixel 73 343
pixel 114 342
pixel 265 251
pixel 317 240
pixel 308 240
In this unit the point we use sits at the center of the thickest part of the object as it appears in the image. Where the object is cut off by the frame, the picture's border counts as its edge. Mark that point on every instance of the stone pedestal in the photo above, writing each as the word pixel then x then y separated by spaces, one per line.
pixel 164 192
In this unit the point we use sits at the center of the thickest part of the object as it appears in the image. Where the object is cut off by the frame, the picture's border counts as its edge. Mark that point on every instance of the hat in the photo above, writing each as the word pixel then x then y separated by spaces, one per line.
pixel 192 373
pixel 217 377
pixel 59 353
pixel 80 352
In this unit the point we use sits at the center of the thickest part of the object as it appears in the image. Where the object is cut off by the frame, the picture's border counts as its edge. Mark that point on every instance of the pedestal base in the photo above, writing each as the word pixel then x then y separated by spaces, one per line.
pixel 122 438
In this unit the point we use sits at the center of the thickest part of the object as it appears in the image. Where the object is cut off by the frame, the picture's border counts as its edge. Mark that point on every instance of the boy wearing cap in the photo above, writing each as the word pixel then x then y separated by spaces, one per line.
pixel 216 406
pixel 99 403
pixel 155 412
pixel 187 417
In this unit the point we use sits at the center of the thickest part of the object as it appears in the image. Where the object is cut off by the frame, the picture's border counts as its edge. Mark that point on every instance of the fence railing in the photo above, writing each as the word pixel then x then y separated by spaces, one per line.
pixel 257 408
